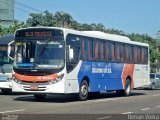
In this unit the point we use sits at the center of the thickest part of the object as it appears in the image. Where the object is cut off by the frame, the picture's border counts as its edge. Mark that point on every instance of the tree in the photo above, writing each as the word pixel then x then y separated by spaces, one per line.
pixel 63 19
pixel 41 19
pixel 12 29
pixel 98 27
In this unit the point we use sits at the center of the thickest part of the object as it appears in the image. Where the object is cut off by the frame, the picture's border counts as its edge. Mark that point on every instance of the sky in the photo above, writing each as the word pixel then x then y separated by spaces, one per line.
pixel 130 16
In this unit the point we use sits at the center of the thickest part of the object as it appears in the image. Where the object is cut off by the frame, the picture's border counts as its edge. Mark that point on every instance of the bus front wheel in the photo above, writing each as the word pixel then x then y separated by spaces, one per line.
pixel 83 90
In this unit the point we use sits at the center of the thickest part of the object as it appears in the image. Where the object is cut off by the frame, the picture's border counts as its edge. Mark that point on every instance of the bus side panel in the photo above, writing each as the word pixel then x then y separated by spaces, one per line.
pixel 141 75
pixel 128 71
pixel 102 75
pixel 71 82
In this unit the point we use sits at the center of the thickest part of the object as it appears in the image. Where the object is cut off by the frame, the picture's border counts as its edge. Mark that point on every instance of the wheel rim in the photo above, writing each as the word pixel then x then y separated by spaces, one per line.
pixel 128 90
pixel 84 90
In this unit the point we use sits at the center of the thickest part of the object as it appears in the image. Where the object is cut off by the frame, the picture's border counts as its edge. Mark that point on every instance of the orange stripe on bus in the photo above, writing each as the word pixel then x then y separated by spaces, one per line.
pixel 128 71
pixel 35 78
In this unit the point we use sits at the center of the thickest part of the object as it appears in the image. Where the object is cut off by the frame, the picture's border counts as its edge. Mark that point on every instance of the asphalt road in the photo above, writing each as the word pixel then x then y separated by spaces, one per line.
pixel 104 107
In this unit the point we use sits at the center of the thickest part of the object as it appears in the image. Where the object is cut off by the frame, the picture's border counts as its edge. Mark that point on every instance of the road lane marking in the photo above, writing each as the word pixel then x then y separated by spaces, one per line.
pixel 102 118
pixel 156 95
pixel 127 113
pixel 13 111
pixel 146 109
pixel 158 106
pixel 110 99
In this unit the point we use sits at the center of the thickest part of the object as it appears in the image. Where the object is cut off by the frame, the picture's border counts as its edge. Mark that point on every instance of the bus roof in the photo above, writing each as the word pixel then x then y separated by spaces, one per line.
pixel 106 36
pixel 95 34
pixel 6 39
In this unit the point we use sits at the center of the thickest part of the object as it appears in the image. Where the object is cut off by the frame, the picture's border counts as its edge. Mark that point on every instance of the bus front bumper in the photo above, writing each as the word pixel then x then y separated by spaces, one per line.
pixel 53 88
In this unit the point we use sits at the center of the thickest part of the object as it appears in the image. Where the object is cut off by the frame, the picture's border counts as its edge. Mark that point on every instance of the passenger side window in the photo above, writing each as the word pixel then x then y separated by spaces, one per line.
pixel 119 52
pixel 86 48
pixel 110 51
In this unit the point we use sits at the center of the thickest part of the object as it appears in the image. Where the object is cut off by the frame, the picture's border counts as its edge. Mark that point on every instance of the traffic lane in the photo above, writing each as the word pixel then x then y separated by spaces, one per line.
pixel 7 103
pixel 105 103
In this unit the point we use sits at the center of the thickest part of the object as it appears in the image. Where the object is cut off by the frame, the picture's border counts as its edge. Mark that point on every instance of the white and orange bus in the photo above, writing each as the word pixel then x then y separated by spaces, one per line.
pixel 6 64
pixel 58 60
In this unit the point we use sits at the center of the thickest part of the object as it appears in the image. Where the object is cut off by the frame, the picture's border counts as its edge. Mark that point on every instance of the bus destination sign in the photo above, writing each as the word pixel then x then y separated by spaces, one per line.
pixel 35 33
pixel 38 34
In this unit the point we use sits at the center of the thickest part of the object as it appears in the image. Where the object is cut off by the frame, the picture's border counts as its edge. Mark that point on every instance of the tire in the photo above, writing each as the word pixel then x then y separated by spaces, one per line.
pixel 40 97
pixel 127 89
pixel 153 86
pixel 83 90
pixel 6 91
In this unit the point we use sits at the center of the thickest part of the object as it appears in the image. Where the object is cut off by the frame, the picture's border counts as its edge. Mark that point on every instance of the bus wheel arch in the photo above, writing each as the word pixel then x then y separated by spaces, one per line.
pixel 127 88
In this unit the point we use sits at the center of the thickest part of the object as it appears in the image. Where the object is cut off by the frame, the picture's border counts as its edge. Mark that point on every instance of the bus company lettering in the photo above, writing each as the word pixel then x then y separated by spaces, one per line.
pixel 38 34
pixel 101 70
pixel 46 78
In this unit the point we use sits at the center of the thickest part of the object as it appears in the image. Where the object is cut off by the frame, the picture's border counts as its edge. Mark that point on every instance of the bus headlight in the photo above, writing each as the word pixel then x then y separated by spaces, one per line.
pixel 16 80
pixel 59 78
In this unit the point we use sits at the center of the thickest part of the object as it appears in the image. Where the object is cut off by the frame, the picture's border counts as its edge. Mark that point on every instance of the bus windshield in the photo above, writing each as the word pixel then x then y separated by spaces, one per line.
pixel 49 54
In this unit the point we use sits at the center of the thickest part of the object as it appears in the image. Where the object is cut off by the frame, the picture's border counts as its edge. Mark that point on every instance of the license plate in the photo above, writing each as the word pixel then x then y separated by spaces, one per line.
pixel 3 78
pixel 34 87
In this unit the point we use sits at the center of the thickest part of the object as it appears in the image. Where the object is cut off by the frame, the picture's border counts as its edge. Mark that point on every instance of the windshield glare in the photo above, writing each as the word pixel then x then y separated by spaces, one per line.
pixel 40 54
pixel 50 54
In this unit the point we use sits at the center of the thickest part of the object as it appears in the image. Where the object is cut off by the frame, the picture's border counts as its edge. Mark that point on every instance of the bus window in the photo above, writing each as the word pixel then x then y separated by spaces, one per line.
pixel 135 55
pixel 86 49
pixel 130 54
pixel 145 55
pixel 119 52
pixel 96 50
pixel 127 53
pixel 101 50
pixel 139 54
pixel 111 52
pixel 106 50
pixel 90 49
pixel 142 55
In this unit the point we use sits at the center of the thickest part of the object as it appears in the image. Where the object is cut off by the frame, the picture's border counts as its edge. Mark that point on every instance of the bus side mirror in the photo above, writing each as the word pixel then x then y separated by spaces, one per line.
pixel 70 54
pixel 9 50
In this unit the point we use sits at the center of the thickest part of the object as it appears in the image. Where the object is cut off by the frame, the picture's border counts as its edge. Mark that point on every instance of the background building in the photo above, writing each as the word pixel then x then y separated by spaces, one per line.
pixel 6 12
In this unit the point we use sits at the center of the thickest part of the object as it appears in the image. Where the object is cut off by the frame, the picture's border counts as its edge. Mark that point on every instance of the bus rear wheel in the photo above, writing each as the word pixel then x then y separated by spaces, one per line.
pixel 83 90
pixel 40 97
pixel 127 89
